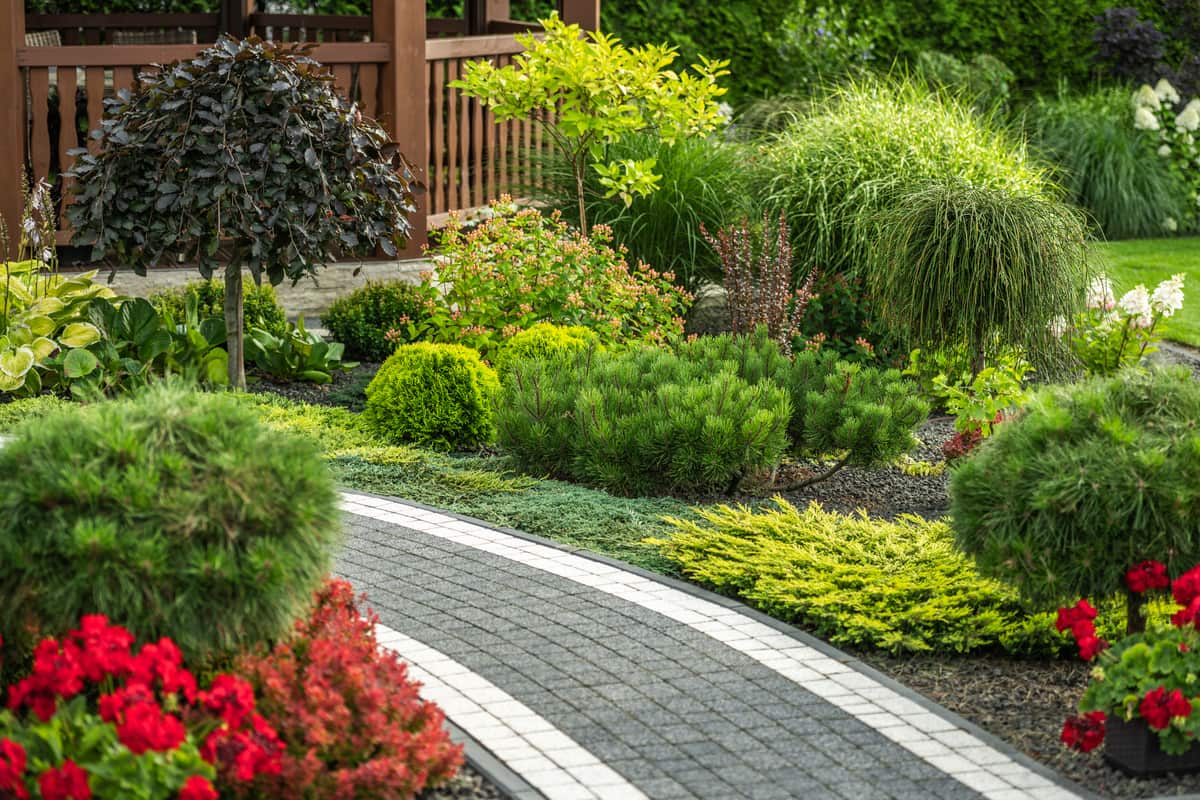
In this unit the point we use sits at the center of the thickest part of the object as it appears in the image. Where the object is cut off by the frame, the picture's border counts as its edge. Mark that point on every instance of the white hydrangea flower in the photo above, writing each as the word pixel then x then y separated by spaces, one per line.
pixel 1164 150
pixel 1057 326
pixel 1165 92
pixel 1146 98
pixel 1136 305
pixel 1189 119
pixel 1168 295
pixel 1144 120
pixel 1100 294
pixel 1171 224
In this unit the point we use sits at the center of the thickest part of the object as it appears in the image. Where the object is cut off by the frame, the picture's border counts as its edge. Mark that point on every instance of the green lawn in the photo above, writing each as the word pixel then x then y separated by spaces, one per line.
pixel 1149 261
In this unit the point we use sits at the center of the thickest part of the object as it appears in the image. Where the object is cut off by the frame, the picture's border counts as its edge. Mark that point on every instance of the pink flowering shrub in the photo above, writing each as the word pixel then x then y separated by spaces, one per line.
pixel 520 268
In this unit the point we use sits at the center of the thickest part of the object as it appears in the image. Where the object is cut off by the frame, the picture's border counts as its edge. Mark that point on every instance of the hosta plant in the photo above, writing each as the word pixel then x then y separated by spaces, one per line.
pixel 1111 334
pixel 298 355
pixel 97 718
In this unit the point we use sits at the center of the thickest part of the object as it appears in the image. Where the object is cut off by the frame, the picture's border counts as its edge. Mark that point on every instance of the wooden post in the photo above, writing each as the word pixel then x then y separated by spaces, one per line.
pixel 403 97
pixel 12 122
pixel 234 15
pixel 584 13
pixel 495 10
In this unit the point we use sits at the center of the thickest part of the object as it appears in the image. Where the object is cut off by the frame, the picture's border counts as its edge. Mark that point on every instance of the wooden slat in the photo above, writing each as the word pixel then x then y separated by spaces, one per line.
pixel 526 156
pixel 445 27
pixel 437 139
pixel 368 85
pixel 342 79
pixel 134 55
pixel 538 166
pixel 451 137
pixel 94 78
pixel 34 22
pixel 68 135
pixel 122 79
pixel 477 197
pixel 502 144
pixel 39 92
pixel 464 170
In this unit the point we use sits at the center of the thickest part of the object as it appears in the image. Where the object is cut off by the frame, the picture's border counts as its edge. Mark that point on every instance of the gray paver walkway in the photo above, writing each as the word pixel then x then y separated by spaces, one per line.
pixel 594 681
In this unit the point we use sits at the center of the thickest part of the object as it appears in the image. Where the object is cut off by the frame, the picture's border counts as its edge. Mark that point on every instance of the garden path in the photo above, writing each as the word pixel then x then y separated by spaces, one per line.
pixel 576 676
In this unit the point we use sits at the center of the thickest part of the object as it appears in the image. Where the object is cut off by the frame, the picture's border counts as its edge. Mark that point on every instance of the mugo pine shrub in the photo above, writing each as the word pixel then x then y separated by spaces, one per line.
pixel 641 422
pixel 373 319
pixel 866 415
pixel 174 514
pixel 1093 478
pixel 436 395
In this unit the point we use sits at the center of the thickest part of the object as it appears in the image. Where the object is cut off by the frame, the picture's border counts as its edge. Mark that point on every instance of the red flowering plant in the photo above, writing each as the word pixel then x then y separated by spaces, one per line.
pixel 349 716
pixel 1149 675
pixel 95 718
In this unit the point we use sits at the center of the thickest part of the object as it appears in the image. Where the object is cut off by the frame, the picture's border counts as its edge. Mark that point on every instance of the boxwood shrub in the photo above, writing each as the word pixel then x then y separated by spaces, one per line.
pixel 435 395
pixel 542 341
pixel 174 513
pixel 363 319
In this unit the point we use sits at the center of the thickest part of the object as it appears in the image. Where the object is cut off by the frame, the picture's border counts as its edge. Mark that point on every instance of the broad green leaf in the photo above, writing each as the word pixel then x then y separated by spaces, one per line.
pixel 15 363
pixel 79 334
pixel 40 325
pixel 79 363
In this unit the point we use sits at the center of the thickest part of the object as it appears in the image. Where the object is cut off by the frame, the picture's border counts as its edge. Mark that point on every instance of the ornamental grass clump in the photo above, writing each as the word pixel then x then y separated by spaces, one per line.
pixel 863 151
pixel 982 266
pixel 433 395
pixel 173 513
pixel 1091 478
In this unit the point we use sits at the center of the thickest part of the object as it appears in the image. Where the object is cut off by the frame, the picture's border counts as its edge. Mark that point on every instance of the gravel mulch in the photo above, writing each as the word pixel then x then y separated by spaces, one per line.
pixel 467 785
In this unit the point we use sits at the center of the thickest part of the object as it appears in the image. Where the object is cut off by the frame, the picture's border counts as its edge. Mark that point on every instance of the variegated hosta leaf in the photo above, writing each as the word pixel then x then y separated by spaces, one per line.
pixel 40 325
pixel 43 348
pixel 79 334
pixel 48 306
pixel 15 363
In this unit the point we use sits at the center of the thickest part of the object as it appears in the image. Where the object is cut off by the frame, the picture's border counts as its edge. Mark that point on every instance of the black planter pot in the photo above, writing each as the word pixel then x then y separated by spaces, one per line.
pixel 1132 747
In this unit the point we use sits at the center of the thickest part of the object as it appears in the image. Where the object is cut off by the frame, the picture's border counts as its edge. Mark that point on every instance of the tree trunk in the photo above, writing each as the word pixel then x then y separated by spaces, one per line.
pixel 1135 620
pixel 234 327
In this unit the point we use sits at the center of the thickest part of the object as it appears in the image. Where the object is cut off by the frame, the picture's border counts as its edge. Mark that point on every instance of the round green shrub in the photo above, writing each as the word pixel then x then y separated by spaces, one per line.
pixel 436 395
pixel 174 513
pixel 1094 478
pixel 260 306
pixel 362 319
pixel 543 340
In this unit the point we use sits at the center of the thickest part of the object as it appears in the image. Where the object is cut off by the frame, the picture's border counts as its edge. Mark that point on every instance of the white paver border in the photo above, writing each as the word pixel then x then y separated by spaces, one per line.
pixel 530 746
pixel 963 756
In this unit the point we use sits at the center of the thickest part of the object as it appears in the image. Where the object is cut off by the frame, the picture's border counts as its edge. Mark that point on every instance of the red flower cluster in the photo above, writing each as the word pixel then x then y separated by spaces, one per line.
pixel 352 720
pixel 244 744
pixel 12 770
pixel 1084 733
pixel 1147 576
pixel 1158 707
pixel 68 782
pixel 1186 591
pixel 1078 620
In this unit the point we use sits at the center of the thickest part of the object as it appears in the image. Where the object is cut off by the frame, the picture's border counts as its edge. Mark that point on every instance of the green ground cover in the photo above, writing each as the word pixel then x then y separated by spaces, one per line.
pixel 1149 261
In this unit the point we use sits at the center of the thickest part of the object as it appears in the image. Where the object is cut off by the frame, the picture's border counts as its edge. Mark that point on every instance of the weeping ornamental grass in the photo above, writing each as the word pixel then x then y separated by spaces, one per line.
pixel 703 182
pixel 960 263
pixel 1123 183
pixel 870 146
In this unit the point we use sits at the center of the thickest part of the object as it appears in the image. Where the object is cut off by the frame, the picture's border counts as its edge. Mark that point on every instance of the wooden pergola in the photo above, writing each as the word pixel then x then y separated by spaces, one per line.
pixel 390 62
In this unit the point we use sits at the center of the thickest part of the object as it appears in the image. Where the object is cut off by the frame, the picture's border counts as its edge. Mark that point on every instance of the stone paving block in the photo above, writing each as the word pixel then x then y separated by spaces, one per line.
pixel 704 697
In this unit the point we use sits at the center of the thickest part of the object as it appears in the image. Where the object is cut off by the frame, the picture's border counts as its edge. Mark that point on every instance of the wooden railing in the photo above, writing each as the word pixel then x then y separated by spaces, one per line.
pixel 472 158
pixel 384 62
pixel 75 29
